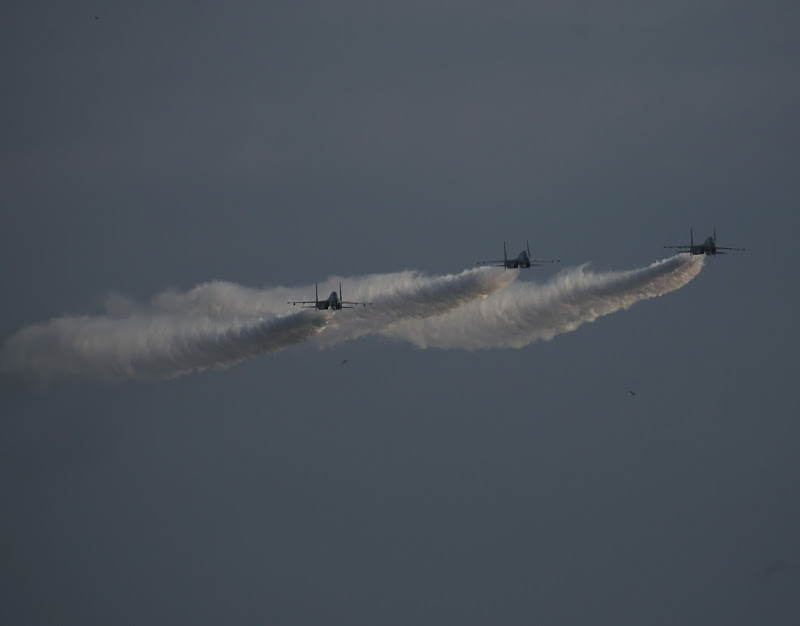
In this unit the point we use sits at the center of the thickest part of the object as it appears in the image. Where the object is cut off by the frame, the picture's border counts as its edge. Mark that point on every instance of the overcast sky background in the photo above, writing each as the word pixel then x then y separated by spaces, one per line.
pixel 282 143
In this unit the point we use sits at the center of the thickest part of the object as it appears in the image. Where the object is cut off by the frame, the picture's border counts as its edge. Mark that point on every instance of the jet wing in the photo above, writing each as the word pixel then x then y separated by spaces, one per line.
pixel 354 304
pixel 724 248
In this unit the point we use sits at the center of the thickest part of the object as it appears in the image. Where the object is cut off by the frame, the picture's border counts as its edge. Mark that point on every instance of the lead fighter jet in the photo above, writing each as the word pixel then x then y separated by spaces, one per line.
pixel 333 302
pixel 708 247
pixel 523 259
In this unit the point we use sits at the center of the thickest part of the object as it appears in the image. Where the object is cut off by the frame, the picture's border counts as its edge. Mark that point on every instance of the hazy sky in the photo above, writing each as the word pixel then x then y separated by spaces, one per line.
pixel 273 145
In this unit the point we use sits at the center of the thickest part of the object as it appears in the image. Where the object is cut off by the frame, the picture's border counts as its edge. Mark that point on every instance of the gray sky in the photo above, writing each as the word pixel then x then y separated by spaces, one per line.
pixel 162 147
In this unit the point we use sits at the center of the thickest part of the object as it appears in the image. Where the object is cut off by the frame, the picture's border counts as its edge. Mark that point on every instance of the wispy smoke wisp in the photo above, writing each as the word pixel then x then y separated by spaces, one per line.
pixel 526 312
pixel 148 347
pixel 410 296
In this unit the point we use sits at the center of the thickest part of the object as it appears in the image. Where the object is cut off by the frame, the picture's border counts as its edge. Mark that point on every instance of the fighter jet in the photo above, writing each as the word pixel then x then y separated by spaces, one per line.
pixel 333 302
pixel 523 259
pixel 708 247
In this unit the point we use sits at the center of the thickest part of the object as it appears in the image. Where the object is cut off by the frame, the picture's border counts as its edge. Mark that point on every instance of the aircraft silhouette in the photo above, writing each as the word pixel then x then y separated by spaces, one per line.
pixel 333 301
pixel 708 247
pixel 523 259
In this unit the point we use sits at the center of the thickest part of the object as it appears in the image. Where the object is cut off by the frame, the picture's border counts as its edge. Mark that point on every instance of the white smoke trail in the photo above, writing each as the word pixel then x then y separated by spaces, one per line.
pixel 410 296
pixel 408 293
pixel 526 312
pixel 395 297
pixel 148 347
pixel 218 324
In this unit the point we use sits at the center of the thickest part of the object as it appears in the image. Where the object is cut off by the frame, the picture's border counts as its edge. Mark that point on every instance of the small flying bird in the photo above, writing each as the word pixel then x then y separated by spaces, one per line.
pixel 343 362
pixel 633 393
pixel 97 17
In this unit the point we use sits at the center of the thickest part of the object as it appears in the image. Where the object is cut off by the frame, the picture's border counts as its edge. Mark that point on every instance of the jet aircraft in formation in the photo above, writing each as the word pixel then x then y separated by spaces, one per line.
pixel 709 246
pixel 523 259
pixel 333 302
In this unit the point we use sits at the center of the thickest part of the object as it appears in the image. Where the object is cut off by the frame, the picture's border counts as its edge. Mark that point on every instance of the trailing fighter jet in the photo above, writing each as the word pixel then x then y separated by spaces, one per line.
pixel 523 259
pixel 333 302
pixel 709 246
